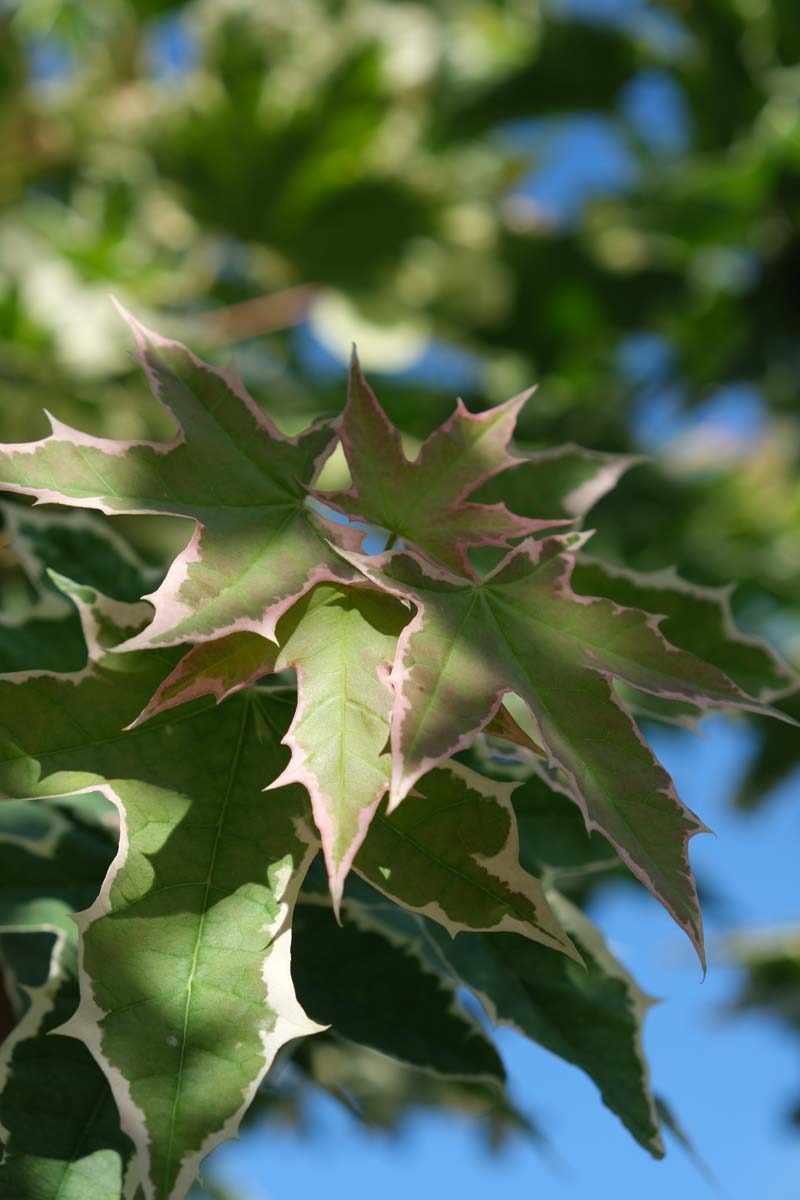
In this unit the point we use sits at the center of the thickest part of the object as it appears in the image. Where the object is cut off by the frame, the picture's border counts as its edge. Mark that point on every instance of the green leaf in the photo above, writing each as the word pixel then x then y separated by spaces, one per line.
pixel 379 992
pixel 50 866
pixel 61 1131
pixel 45 631
pixel 695 618
pixel 256 545
pixel 425 501
pixel 523 630
pixel 554 842
pixel 778 756
pixel 451 852
pixel 564 481
pixel 588 1015
pixel 197 904
pixel 338 641
pixel 670 1122
pixel 62 1136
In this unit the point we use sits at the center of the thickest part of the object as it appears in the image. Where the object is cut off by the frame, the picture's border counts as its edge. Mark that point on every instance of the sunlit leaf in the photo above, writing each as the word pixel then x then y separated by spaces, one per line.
pixel 197 903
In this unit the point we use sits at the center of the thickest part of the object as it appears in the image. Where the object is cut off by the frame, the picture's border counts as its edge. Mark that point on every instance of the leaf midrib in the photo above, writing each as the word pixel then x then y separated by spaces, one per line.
pixel 232 773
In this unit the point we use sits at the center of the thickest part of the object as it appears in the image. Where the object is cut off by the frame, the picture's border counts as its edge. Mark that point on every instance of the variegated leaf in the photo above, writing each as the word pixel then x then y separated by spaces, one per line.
pixel 451 852
pixel 522 629
pixel 562 481
pixel 695 618
pixel 425 502
pixel 58 1120
pixel 219 669
pixel 256 545
pixel 337 641
pixel 44 632
pixel 186 993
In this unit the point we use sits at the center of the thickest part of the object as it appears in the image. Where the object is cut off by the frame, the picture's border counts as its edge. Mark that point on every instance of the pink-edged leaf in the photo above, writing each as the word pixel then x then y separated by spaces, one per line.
pixel 503 725
pixel 217 669
pixel 341 643
pixel 425 501
pixel 256 546
pixel 524 630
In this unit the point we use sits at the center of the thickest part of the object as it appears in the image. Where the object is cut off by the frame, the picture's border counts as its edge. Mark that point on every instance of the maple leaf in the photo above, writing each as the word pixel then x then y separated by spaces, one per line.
pixel 451 852
pixel 338 641
pixel 591 1016
pixel 46 632
pixel 586 1009
pixel 562 481
pixel 365 984
pixel 257 546
pixel 61 1134
pixel 425 501
pixel 696 618
pixel 522 629
pixel 197 903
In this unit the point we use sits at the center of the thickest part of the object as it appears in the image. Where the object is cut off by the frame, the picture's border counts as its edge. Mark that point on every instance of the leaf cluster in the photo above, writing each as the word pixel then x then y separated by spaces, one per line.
pixel 285 769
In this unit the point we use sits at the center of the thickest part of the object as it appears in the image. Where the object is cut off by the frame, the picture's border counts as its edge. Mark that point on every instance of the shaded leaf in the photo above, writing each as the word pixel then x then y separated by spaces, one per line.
pixel 777 757
pixel 62 1135
pixel 553 840
pixel 45 632
pixel 671 1123
pixel 695 618
pixel 590 1016
pixel 377 991
pixel 564 481
pixel 451 852
pixel 61 1132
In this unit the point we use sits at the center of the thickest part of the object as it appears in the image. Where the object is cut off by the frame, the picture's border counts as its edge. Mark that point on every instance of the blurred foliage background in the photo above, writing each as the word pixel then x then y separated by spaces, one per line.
pixel 598 196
